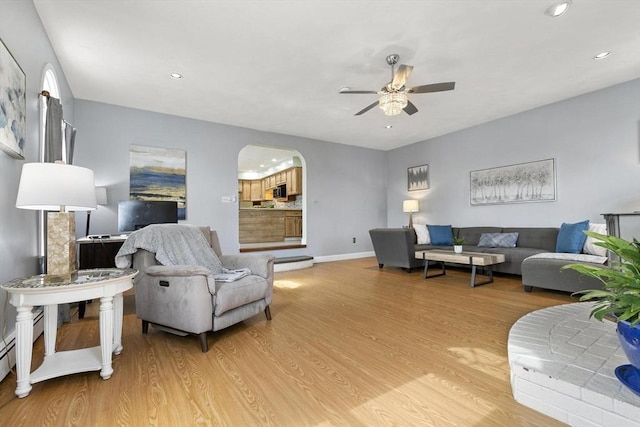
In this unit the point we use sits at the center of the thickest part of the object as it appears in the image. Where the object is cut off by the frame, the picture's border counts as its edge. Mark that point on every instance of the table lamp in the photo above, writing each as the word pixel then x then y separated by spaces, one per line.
pixel 62 188
pixel 410 206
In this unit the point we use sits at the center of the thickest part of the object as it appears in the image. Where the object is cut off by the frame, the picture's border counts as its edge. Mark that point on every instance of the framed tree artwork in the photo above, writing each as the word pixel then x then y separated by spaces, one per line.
pixel 519 183
pixel 418 178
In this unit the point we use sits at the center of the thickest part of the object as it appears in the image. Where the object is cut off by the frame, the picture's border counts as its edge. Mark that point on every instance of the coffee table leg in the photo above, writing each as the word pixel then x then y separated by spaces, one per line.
pixel 426 267
pixel 489 275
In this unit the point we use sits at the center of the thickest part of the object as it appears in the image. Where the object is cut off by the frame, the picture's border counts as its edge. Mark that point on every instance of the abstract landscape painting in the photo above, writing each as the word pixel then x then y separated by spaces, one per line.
pixel 520 183
pixel 13 105
pixel 158 174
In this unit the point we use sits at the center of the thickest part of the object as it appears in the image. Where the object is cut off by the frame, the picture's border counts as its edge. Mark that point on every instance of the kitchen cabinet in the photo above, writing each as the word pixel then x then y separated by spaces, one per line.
pixel 293 224
pixel 256 190
pixel 245 192
pixel 261 225
pixel 294 181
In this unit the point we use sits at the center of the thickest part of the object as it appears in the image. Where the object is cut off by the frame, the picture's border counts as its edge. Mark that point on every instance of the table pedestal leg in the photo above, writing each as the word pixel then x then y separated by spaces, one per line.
pixel 24 342
pixel 117 324
pixel 50 329
pixel 106 336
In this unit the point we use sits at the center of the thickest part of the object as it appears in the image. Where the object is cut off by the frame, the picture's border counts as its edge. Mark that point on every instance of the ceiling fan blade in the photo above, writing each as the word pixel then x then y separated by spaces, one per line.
pixel 401 76
pixel 410 108
pixel 358 91
pixel 365 109
pixel 437 87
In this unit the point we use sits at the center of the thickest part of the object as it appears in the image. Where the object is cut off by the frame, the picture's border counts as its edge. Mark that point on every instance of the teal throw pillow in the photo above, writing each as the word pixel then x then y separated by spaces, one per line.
pixel 571 237
pixel 441 235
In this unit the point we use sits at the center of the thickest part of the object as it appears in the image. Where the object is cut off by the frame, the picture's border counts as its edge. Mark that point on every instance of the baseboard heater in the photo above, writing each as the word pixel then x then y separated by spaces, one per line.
pixel 8 344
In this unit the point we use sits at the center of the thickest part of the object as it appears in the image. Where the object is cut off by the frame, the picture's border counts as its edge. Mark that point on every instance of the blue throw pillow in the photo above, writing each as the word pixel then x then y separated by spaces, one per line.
pixel 441 235
pixel 571 237
pixel 498 240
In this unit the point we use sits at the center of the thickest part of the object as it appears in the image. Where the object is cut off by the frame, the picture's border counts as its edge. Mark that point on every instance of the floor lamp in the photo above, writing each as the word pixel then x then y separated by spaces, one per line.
pixel 60 189
pixel 410 206
pixel 101 199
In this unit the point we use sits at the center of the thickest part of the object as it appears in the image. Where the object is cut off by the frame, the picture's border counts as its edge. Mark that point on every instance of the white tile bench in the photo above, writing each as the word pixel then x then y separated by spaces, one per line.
pixel 562 364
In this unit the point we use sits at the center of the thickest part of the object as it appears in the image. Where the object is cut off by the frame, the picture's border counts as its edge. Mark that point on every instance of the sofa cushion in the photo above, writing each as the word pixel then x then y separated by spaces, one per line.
pixel 589 246
pixel 441 235
pixel 471 235
pixel 535 237
pixel 423 234
pixel 230 295
pixel 498 240
pixel 571 237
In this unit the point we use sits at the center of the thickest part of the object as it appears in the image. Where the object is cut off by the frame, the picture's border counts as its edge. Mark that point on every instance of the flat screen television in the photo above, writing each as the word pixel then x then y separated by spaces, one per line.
pixel 136 214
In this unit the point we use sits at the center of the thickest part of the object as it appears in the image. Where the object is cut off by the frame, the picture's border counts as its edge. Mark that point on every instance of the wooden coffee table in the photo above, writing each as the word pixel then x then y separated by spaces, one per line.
pixel 473 259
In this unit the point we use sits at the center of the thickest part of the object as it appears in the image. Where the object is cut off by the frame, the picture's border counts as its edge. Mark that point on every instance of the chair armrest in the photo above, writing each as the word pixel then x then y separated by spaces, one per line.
pixel 177 270
pixel 259 264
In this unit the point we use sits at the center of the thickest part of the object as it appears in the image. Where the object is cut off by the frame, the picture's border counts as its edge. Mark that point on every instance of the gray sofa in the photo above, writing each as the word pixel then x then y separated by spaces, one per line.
pixel 397 247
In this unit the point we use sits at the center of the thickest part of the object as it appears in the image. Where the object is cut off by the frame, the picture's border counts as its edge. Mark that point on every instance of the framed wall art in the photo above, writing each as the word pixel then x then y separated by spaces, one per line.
pixel 418 178
pixel 158 174
pixel 519 183
pixel 13 105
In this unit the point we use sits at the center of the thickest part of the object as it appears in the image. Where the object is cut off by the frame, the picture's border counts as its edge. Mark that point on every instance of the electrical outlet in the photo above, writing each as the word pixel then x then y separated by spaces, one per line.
pixel 354 240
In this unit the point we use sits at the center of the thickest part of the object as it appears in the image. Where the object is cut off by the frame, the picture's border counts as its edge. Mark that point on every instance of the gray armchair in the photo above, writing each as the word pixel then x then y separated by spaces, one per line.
pixel 395 247
pixel 186 299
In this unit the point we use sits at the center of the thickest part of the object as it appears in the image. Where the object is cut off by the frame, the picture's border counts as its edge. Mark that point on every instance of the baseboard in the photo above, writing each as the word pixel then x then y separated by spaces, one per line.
pixel 343 257
pixel 8 345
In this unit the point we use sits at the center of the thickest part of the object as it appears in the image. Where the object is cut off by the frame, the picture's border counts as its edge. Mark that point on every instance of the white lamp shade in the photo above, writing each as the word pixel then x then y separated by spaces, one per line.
pixel 54 186
pixel 410 206
pixel 101 195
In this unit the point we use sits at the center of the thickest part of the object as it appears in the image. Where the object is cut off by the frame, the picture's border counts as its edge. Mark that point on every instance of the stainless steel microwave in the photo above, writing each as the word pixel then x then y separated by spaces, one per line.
pixel 280 192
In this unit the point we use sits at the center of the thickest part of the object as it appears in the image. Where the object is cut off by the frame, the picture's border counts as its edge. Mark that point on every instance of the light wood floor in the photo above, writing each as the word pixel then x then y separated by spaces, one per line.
pixel 349 345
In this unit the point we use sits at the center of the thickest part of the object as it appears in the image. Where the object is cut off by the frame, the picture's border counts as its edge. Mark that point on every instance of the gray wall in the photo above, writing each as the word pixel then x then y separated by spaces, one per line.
pixel 22 33
pixel 344 195
pixel 594 139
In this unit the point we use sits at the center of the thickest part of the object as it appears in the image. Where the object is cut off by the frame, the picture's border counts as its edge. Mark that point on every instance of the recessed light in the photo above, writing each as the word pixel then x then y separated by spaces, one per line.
pixel 261 166
pixel 602 55
pixel 558 9
pixel 344 88
pixel 274 160
pixel 176 76
pixel 388 126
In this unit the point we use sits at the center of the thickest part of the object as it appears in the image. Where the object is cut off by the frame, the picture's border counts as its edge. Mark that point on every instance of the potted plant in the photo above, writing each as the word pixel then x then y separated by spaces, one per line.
pixel 619 299
pixel 457 244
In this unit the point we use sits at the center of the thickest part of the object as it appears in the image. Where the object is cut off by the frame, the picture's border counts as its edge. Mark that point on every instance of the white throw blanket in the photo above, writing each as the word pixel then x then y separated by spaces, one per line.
pixel 173 244
pixel 571 257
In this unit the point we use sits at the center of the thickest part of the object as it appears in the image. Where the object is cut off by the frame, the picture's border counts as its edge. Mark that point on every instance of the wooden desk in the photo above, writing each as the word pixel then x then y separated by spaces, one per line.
pixel 49 291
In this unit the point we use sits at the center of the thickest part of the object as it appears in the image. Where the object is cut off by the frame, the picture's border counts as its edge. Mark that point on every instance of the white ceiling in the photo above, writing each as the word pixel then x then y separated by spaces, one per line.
pixel 278 66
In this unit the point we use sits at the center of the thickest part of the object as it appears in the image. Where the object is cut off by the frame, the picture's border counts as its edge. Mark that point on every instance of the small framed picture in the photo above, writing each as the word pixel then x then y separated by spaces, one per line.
pixel 418 178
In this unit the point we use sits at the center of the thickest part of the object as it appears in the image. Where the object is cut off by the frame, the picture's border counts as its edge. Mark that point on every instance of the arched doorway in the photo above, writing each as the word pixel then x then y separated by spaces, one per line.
pixel 271 198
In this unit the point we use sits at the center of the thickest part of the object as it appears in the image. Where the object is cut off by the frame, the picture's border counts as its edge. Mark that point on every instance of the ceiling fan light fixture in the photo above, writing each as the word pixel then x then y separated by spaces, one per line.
pixel 392 103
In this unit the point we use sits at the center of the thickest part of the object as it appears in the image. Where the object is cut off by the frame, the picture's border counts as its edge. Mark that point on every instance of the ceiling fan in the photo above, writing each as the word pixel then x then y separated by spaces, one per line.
pixel 393 96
